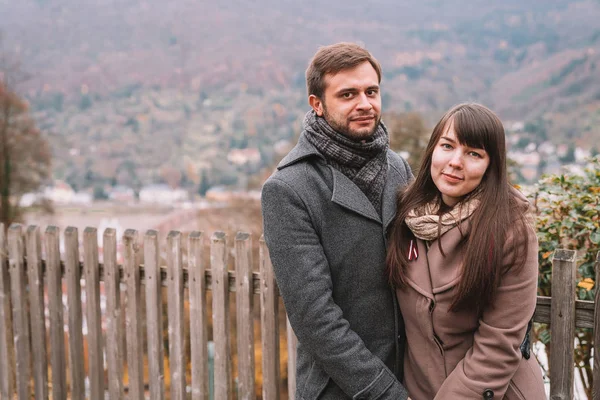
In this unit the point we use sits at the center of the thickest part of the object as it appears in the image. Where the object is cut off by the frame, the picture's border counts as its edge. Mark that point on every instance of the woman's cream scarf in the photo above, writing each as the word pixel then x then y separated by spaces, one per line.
pixel 426 224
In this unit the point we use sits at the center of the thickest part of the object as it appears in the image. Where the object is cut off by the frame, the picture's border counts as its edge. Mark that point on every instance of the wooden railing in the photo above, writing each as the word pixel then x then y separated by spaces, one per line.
pixel 31 293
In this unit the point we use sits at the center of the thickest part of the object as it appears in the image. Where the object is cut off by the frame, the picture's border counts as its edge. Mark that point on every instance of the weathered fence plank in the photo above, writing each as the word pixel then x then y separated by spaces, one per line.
pixel 175 309
pixel 562 311
pixel 55 312
pixel 36 312
pixel 19 310
pixel 220 301
pixel 244 315
pixel 7 357
pixel 269 305
pixel 596 371
pixel 114 350
pixel 93 315
pixel 73 278
pixel 154 318
pixel 292 343
pixel 584 312
pixel 133 316
pixel 562 323
pixel 198 319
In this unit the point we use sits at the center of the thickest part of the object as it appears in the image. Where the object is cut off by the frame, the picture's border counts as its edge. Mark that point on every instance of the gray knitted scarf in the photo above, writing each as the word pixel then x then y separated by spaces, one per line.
pixel 365 164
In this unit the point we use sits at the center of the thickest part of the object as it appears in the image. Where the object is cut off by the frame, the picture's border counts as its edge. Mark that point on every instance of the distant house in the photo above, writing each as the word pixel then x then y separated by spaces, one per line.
pixel 515 126
pixel 121 194
pixel 82 198
pixel 526 159
pixel 162 194
pixel 282 147
pixel 547 149
pixel 582 154
pixel 224 194
pixel 244 156
pixel 61 192
pixel 218 193
pixel 29 199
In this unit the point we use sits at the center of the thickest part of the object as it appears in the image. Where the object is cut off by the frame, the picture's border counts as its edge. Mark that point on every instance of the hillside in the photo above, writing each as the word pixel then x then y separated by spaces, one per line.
pixel 146 84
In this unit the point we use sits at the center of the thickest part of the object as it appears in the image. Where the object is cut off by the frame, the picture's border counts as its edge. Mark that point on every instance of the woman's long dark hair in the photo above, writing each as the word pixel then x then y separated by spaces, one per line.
pixel 498 213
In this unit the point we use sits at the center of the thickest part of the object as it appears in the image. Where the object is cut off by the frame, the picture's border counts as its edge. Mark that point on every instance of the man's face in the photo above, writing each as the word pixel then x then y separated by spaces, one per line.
pixel 351 102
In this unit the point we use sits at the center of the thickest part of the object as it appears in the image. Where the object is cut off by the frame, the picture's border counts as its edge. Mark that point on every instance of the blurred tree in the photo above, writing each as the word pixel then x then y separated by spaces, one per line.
pixel 514 171
pixel 25 155
pixel 171 176
pixel 204 184
pixel 408 133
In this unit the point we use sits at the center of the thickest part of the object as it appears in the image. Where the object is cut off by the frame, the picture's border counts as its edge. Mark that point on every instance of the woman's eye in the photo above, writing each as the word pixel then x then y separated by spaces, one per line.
pixel 446 146
pixel 474 154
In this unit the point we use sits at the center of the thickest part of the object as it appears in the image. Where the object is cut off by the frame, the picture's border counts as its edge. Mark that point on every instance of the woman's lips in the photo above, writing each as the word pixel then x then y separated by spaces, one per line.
pixel 452 178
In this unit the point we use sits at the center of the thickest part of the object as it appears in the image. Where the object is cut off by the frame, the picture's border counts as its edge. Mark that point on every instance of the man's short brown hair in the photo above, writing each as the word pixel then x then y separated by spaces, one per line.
pixel 333 59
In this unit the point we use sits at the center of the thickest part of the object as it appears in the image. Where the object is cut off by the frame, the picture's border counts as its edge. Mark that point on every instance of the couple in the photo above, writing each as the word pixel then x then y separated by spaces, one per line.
pixel 400 287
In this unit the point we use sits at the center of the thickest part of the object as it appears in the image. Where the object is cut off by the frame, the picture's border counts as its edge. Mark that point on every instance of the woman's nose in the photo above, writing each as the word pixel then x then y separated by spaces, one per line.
pixel 456 160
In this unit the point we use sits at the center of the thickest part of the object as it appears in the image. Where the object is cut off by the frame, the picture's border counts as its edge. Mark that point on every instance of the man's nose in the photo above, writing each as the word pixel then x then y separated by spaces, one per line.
pixel 364 103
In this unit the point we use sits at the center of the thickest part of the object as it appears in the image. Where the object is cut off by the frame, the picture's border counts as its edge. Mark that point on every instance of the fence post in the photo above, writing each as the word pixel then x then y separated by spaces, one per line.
pixel 112 282
pixel 596 374
pixel 220 292
pixel 245 321
pixel 198 322
pixel 562 325
pixel 93 316
pixel 7 357
pixel 154 318
pixel 269 305
pixel 292 343
pixel 175 309
pixel 73 278
pixel 36 312
pixel 19 309
pixel 133 316
pixel 55 311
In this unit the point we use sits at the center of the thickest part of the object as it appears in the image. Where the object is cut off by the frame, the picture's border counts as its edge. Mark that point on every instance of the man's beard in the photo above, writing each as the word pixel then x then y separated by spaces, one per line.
pixel 345 130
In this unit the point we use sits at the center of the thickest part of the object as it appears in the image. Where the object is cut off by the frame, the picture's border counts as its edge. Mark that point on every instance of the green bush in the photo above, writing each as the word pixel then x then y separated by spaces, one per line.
pixel 568 217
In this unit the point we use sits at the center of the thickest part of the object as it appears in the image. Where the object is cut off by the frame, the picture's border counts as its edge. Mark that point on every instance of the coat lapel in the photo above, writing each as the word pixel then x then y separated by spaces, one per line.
pixel 445 270
pixel 390 193
pixel 349 196
pixel 418 274
pixel 433 272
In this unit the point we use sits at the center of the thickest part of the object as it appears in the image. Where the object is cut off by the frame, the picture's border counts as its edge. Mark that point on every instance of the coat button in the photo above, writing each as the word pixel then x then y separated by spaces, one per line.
pixel 488 394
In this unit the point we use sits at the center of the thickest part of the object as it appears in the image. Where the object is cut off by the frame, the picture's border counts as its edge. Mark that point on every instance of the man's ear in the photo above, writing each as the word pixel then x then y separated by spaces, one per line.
pixel 316 104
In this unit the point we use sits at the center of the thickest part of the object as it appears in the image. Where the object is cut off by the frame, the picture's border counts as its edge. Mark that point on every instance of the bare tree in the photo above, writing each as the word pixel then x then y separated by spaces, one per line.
pixel 25 156
pixel 408 133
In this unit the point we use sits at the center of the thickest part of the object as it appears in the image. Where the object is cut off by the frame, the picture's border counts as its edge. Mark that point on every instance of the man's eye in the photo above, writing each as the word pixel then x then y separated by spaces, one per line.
pixel 347 95
pixel 371 92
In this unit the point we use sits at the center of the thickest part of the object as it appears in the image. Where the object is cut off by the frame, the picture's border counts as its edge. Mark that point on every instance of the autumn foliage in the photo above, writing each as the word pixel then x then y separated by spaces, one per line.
pixel 25 155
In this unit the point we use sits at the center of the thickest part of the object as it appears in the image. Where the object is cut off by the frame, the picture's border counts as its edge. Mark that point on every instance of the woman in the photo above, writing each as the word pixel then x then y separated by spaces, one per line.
pixel 463 260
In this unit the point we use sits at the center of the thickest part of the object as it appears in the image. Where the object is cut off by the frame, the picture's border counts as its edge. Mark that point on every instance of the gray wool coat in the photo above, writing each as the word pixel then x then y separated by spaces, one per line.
pixel 327 244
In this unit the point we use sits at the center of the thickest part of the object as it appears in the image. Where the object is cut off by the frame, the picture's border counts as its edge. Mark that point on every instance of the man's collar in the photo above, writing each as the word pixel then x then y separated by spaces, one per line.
pixel 302 150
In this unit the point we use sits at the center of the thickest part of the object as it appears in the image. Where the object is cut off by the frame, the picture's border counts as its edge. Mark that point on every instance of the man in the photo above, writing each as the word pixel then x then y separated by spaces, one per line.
pixel 326 210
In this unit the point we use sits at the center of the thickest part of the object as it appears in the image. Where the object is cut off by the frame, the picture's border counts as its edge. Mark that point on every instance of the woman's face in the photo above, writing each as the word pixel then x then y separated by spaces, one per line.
pixel 456 169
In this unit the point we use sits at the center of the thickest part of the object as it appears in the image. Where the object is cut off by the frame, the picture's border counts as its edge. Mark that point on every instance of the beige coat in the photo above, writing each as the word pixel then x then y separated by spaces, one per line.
pixel 460 355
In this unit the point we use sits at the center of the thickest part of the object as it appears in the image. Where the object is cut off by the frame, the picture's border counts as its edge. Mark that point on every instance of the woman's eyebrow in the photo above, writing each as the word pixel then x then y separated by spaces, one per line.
pixel 448 139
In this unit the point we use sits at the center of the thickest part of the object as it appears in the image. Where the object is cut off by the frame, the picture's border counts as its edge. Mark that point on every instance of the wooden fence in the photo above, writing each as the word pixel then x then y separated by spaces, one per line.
pixel 31 291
